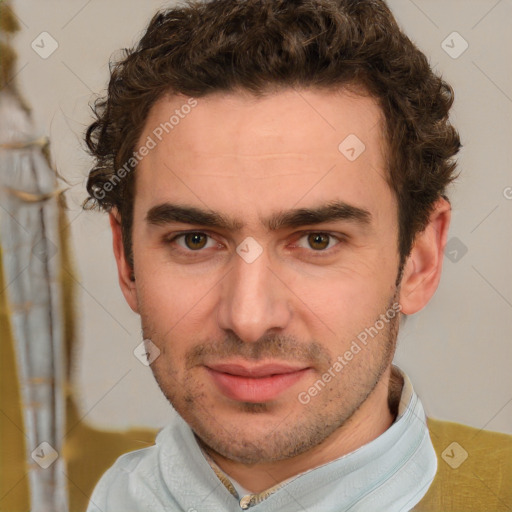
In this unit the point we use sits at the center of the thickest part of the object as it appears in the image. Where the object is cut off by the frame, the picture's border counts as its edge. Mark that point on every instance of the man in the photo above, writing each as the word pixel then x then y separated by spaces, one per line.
pixel 275 174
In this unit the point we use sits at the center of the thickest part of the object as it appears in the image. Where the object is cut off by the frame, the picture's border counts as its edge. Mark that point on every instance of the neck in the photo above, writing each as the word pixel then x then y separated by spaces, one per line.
pixel 372 419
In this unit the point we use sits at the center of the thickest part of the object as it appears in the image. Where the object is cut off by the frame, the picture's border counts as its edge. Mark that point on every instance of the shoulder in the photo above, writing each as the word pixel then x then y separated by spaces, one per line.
pixel 134 479
pixel 474 469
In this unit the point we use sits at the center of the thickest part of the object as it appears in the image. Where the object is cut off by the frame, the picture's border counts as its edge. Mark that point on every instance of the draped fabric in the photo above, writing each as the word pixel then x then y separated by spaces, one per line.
pixel 37 329
pixel 89 452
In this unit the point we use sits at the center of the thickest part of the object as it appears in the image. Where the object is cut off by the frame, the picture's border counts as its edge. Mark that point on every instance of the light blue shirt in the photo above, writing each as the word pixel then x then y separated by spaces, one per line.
pixel 391 473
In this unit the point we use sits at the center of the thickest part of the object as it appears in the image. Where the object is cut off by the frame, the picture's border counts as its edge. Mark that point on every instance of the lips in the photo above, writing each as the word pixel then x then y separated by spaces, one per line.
pixel 255 383
pixel 265 370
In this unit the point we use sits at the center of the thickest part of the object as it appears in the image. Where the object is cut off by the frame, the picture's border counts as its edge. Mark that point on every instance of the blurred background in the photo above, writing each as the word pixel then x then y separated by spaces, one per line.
pixel 457 351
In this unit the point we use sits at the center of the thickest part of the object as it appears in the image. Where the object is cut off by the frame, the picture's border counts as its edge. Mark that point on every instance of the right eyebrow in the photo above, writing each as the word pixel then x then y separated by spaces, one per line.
pixel 167 213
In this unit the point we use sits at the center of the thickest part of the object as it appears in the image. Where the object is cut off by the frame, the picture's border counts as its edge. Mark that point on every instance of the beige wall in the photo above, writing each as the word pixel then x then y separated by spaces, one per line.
pixel 457 351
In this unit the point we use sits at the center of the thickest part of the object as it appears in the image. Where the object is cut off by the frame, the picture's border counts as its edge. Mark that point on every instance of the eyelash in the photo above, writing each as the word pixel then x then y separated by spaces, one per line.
pixel 171 239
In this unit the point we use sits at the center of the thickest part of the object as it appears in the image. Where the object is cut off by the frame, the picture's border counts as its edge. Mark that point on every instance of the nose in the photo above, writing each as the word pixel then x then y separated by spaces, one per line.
pixel 254 302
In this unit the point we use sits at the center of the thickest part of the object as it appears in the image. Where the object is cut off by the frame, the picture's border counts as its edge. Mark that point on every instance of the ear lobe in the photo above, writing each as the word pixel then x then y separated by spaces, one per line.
pixel 124 270
pixel 422 271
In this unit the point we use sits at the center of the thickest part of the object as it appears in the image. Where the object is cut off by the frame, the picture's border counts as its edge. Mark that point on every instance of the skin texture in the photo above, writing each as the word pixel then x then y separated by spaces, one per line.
pixel 299 302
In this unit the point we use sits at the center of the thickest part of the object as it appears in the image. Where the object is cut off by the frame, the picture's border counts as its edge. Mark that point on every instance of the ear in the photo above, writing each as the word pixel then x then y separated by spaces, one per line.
pixel 124 270
pixel 422 270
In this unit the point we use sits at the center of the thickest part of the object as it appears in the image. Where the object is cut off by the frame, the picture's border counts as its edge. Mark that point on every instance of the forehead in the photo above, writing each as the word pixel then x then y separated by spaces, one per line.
pixel 308 120
pixel 295 146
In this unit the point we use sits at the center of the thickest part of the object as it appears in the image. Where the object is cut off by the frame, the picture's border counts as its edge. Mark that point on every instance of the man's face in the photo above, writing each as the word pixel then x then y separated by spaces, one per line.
pixel 251 313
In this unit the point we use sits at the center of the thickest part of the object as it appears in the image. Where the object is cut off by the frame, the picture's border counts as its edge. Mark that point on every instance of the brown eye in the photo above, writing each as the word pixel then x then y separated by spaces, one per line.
pixel 195 241
pixel 318 241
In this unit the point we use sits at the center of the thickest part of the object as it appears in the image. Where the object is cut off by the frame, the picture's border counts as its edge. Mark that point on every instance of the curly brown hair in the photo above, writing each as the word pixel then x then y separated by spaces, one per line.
pixel 262 46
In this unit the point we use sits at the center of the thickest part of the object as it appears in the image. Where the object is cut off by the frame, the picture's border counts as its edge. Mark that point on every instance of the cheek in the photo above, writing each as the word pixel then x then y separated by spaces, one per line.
pixel 176 310
pixel 334 310
pixel 166 300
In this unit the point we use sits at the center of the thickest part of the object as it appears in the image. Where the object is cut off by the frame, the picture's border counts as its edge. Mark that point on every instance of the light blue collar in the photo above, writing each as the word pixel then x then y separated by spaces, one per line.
pixel 391 473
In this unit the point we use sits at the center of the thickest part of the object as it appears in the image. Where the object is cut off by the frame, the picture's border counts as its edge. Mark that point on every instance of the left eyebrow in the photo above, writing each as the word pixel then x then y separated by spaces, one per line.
pixel 335 211
pixel 167 213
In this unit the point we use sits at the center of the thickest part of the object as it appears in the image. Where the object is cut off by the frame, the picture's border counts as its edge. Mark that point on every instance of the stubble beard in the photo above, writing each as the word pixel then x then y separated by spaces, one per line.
pixel 287 434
